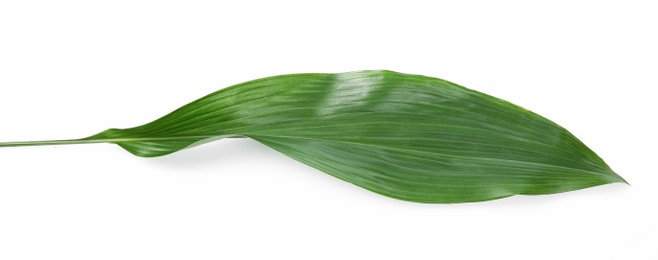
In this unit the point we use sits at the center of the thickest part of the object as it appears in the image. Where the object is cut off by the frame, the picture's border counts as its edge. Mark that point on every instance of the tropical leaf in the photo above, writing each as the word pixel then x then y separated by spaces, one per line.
pixel 405 136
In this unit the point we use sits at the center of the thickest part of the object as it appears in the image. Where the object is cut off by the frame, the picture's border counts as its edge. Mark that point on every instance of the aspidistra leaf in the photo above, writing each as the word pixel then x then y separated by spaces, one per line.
pixel 405 136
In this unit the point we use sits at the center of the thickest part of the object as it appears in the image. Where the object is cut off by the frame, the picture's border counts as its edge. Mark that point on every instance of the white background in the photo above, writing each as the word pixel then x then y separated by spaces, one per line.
pixel 69 69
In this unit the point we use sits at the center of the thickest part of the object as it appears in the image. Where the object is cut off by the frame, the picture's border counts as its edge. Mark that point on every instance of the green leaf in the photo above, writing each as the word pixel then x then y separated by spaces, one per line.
pixel 405 136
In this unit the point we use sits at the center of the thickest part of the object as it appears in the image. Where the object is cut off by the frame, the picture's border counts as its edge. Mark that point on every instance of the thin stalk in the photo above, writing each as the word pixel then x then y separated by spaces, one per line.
pixel 51 142
pixel 109 140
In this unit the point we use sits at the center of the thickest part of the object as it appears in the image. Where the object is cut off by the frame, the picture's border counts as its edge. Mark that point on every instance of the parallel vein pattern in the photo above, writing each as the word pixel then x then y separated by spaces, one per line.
pixel 405 136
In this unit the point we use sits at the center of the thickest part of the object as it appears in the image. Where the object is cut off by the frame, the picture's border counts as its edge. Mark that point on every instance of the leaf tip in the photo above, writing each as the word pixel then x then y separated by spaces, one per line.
pixel 614 177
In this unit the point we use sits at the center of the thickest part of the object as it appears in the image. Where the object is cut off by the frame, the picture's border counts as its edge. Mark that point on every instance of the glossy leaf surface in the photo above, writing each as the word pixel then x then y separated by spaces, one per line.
pixel 405 136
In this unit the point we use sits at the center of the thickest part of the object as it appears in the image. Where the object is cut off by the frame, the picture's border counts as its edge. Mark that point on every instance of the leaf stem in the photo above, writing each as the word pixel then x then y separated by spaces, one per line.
pixel 91 140
pixel 50 142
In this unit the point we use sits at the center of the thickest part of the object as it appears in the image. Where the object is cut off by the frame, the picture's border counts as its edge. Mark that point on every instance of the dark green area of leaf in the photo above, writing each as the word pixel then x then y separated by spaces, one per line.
pixel 405 136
